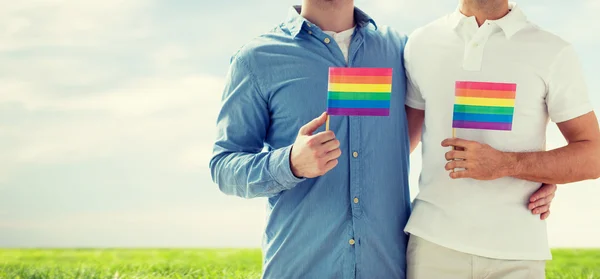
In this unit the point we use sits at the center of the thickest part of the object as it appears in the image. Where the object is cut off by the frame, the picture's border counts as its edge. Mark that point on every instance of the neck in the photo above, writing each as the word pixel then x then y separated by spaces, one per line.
pixel 484 10
pixel 329 15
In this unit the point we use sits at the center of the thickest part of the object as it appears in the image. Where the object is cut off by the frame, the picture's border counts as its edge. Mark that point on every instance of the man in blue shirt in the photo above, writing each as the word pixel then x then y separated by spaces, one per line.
pixel 338 200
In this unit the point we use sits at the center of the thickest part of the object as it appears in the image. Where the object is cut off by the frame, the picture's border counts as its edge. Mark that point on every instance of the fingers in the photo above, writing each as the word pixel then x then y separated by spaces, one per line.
pixel 455 154
pixel 541 202
pixel 545 216
pixel 544 191
pixel 456 142
pixel 331 145
pixel 456 164
pixel 323 137
pixel 332 155
pixel 330 165
pixel 313 125
pixel 460 174
pixel 541 209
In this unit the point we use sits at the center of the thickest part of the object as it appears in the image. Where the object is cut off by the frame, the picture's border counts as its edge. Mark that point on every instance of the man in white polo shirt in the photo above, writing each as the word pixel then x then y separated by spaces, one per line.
pixel 485 82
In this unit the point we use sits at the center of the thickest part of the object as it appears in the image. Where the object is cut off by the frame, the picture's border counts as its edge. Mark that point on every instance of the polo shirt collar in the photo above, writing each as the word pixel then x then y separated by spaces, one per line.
pixel 510 24
pixel 513 22
pixel 295 22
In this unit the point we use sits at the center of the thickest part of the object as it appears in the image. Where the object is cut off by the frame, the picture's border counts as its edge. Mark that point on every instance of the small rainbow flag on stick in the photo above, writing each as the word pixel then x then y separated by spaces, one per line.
pixel 359 91
pixel 484 105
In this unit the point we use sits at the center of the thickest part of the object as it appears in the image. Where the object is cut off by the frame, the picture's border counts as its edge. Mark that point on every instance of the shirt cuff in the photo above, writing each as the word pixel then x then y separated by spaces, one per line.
pixel 280 168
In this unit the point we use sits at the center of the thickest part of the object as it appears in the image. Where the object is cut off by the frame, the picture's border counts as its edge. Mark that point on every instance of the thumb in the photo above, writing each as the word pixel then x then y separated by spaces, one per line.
pixel 313 125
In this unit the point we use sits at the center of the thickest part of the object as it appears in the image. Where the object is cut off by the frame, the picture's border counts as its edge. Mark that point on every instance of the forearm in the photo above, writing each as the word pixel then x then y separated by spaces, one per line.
pixel 414 141
pixel 250 175
pixel 575 162
pixel 415 118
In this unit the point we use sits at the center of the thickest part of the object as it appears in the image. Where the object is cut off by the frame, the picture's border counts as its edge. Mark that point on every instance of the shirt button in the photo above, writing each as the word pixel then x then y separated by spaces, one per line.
pixel 351 241
pixel 355 154
pixel 475 45
pixel 327 40
pixel 309 32
pixel 355 200
pixel 308 24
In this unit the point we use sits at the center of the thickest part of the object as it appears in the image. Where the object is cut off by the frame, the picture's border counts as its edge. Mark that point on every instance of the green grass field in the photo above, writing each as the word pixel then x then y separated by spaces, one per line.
pixel 202 263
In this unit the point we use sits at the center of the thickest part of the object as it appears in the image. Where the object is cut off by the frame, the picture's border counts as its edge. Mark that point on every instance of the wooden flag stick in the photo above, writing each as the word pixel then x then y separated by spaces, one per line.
pixel 327 123
pixel 453 136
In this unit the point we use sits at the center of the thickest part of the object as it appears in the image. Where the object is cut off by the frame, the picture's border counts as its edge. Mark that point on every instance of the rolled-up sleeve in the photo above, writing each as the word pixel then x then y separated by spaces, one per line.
pixel 239 164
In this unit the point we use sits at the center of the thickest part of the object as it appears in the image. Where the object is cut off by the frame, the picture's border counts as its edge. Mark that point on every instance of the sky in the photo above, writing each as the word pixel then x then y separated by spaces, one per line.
pixel 107 118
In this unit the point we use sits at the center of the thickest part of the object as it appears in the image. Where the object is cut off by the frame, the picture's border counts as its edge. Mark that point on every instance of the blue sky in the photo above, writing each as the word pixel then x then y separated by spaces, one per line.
pixel 107 113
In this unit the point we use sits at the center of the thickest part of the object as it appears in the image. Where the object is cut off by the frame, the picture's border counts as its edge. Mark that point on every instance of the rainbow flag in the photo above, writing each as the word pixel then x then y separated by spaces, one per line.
pixel 359 91
pixel 484 105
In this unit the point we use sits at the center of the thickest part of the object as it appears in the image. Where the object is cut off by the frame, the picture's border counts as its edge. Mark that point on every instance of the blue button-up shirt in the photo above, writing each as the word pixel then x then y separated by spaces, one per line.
pixel 349 222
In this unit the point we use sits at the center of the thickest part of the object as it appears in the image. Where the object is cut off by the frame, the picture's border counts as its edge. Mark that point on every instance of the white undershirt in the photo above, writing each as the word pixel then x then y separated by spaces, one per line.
pixel 343 40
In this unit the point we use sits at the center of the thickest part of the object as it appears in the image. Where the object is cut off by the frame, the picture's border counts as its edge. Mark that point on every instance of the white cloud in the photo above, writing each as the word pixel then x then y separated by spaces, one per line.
pixel 197 156
pixel 167 57
pixel 128 119
pixel 137 97
pixel 237 225
pixel 47 72
pixel 406 15
pixel 578 25
pixel 412 8
pixel 150 95
pixel 67 22
pixel 592 4
pixel 574 220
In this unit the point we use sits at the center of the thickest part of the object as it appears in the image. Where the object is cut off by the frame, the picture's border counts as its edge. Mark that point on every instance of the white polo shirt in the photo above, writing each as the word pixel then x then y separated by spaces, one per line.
pixel 541 71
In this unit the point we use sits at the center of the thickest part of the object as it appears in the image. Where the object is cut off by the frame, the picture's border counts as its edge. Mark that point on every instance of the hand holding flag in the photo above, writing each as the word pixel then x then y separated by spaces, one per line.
pixel 476 160
pixel 482 162
pixel 479 106
pixel 314 155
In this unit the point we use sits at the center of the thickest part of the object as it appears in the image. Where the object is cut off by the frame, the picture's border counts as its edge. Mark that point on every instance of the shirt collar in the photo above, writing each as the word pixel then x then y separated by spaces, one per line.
pixel 295 22
pixel 511 23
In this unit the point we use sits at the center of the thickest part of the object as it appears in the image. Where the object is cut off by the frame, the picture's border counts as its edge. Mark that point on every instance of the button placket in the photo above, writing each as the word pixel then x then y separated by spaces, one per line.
pixel 355 161
pixel 475 48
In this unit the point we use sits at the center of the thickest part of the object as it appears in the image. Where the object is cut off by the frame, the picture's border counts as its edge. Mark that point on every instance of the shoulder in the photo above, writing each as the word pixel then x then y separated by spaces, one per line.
pixel 423 38
pixel 429 32
pixel 536 32
pixel 386 35
pixel 546 40
pixel 250 53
